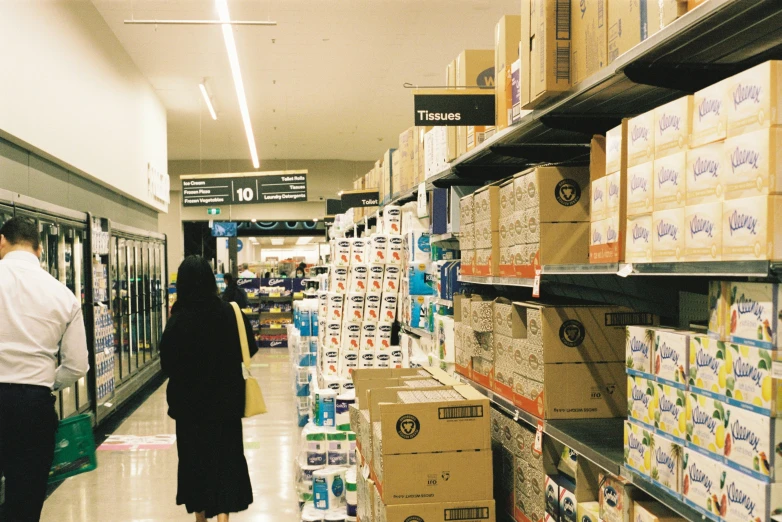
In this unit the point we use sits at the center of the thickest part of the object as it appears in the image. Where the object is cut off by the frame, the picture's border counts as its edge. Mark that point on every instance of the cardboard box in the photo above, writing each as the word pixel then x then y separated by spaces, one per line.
pixel 452 147
pixel 710 115
pixel 483 510
pixel 616 147
pixel 747 497
pixel 702 482
pixel 629 24
pixel 406 159
pixel 667 465
pixel 508 319
pixel 487 260
pixel 589 35
pixel 507 36
pixel 474 68
pixel 610 247
pixel 754 312
pixel 545 51
pixel 641 189
pixel 751 228
pixel 388 173
pixel 640 400
pixel 756 101
pixel 558 194
pixel 597 157
pixel 638 453
pixel 755 164
pixel 669 181
pixel 668 235
pixel 707 169
pixel 616 499
pixel 707 366
pixel 639 349
pixel 672 123
pixel 560 244
pixel 597 210
pixel 638 242
pixel 486 206
pixel 640 139
pixel 653 512
pixel 703 232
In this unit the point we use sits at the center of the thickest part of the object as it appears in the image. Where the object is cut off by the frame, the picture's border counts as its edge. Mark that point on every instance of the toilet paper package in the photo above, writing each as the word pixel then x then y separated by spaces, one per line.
pixel 351 335
pixel 366 359
pixel 354 306
pixel 372 307
pixel 378 249
pixel 331 382
pixel 388 307
pixel 342 252
pixel 346 385
pixel 330 362
pixel 323 300
pixel 375 275
pixel 391 279
pixel 383 359
pixel 357 280
pixel 395 250
pixel 368 334
pixel 315 447
pixel 392 219
pixel 342 408
pixel 396 357
pixel 337 444
pixel 334 306
pixel 333 334
pixel 358 250
pixel 384 330
pixel 338 280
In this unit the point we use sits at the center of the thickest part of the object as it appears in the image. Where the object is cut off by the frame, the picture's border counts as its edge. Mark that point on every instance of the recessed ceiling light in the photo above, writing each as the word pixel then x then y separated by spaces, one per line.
pixel 278 241
pixel 208 100
pixel 233 59
pixel 254 220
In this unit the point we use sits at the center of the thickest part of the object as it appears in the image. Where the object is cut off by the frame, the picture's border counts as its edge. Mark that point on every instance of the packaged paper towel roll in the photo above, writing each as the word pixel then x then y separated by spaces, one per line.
pixel 328 488
pixel 366 358
pixel 338 281
pixel 395 249
pixel 392 219
pixel 378 249
pixel 391 278
pixel 342 406
pixel 375 276
pixel 334 306
pixel 326 412
pixel 382 358
pixel 351 335
pixel 354 306
pixel 348 361
pixel 358 247
pixel 372 307
pixel 342 252
pixel 388 307
pixel 368 334
pixel 337 447
pixel 357 280
pixel 384 330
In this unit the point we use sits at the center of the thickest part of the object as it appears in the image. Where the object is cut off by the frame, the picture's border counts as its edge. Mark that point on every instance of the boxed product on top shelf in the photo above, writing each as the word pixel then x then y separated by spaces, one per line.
pixel 474 68
pixel 589 36
pixel 546 64
pixel 507 35
pixel 629 23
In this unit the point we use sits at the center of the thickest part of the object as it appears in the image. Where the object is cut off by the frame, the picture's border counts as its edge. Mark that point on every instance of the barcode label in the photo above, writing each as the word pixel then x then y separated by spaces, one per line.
pixel 460 412
pixel 474 513
pixel 563 19
pixel 600 13
pixel 629 318
pixel 563 61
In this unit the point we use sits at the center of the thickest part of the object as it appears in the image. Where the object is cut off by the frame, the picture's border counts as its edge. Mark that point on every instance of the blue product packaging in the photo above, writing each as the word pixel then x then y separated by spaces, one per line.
pixel 420 279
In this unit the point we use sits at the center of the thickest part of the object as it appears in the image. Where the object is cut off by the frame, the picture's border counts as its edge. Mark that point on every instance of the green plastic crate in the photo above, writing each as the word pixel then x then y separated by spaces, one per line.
pixel 74 448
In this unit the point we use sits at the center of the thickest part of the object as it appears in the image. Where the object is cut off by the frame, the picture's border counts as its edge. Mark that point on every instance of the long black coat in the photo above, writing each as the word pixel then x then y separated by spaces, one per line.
pixel 201 355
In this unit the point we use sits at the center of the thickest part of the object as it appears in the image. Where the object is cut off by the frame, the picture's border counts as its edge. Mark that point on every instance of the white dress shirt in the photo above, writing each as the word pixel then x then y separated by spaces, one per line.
pixel 247 274
pixel 39 316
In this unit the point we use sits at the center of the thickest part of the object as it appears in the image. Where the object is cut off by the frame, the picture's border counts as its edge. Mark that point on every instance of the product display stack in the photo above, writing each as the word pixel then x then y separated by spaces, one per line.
pixel 303 343
pixel 104 352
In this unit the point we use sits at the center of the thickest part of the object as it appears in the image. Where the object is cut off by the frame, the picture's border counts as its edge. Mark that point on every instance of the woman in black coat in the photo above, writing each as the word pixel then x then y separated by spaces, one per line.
pixel 201 355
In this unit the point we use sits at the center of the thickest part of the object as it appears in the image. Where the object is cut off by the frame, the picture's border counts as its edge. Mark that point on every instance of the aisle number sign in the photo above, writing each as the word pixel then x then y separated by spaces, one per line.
pixel 210 190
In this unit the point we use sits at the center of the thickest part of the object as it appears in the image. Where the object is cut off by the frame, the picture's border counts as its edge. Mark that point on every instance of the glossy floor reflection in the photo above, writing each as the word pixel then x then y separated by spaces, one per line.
pixel 140 486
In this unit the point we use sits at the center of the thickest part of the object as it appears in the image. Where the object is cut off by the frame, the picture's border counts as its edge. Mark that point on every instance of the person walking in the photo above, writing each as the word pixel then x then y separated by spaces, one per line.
pixel 200 352
pixel 232 292
pixel 40 318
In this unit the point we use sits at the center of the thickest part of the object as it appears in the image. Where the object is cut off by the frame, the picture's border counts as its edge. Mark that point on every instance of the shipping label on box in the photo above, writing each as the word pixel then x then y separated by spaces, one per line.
pixel 672 127
pixel 668 237
pixel 669 181
pixel 597 209
pixel 639 350
pixel 751 227
pixel 483 510
pixel 754 98
pixel 707 168
pixel 710 114
pixel 638 454
pixel 703 232
pixel 755 165
pixel 640 400
pixel 667 464
pixel 670 417
pixel 702 482
pixel 754 311
pixel 616 147
pixel 640 189
pixel 708 372
pixel 640 139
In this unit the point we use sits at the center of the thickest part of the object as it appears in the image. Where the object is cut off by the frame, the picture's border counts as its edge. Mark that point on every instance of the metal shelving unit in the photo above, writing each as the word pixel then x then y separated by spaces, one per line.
pixel 498 281
pixel 416 331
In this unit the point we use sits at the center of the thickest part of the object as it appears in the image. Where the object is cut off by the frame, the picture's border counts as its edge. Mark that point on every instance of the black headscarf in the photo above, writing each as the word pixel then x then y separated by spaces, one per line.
pixel 195 282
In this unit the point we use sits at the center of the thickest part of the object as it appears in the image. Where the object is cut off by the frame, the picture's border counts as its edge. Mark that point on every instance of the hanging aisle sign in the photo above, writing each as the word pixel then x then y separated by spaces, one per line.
pixel 359 198
pixel 244 189
pixel 454 107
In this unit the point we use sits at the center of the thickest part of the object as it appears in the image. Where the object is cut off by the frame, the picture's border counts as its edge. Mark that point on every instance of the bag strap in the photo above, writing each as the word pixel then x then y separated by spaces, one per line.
pixel 242 335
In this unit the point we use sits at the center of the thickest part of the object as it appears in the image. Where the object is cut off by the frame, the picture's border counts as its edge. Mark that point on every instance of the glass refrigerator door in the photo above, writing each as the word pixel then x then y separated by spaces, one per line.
pixel 63 254
pixel 146 294
pixel 133 266
pixel 118 294
pixel 154 302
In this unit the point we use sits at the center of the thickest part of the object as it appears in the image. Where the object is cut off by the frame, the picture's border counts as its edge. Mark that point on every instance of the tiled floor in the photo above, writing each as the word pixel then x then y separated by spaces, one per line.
pixel 140 486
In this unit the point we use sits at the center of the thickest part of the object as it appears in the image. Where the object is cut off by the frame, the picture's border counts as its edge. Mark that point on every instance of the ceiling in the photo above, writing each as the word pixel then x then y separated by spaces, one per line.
pixel 325 83
pixel 266 242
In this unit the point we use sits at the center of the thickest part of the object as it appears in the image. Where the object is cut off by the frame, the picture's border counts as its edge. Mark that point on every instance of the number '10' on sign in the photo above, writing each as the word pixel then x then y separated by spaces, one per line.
pixel 245 194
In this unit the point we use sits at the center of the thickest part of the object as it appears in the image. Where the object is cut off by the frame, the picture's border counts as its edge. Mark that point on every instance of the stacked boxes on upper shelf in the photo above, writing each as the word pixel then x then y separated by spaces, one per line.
pixel 486 209
pixel 707 404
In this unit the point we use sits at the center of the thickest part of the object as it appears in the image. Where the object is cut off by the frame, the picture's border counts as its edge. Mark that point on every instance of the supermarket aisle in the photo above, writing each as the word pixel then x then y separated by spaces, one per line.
pixel 140 486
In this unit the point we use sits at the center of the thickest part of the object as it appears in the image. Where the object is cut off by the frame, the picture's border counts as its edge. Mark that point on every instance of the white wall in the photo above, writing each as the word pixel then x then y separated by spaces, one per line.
pixel 71 93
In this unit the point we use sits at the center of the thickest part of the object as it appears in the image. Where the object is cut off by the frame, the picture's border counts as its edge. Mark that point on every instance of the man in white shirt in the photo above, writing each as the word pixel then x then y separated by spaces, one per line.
pixel 245 273
pixel 39 319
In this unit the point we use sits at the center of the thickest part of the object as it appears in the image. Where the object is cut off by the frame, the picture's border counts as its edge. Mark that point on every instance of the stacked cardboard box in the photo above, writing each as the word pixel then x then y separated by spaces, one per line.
pixel 507 37
pixel 467 239
pixel 630 23
pixel 473 68
pixel 545 50
pixel 589 34
pixel 608 170
pixel 473 338
pixel 486 210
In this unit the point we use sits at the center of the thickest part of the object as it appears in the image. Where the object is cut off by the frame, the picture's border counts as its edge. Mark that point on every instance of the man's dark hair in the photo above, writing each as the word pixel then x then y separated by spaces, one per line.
pixel 19 230
pixel 228 278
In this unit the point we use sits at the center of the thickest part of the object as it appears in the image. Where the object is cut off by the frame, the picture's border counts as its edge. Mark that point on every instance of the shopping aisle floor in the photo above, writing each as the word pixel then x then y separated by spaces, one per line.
pixel 140 486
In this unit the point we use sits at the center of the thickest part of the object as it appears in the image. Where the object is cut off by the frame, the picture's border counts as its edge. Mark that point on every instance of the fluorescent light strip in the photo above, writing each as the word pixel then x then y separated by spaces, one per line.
pixel 207 100
pixel 278 241
pixel 303 240
pixel 233 59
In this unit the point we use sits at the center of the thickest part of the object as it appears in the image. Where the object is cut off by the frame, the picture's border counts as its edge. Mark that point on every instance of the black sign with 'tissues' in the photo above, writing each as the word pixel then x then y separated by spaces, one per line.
pixel 244 189
pixel 454 110
pixel 360 198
